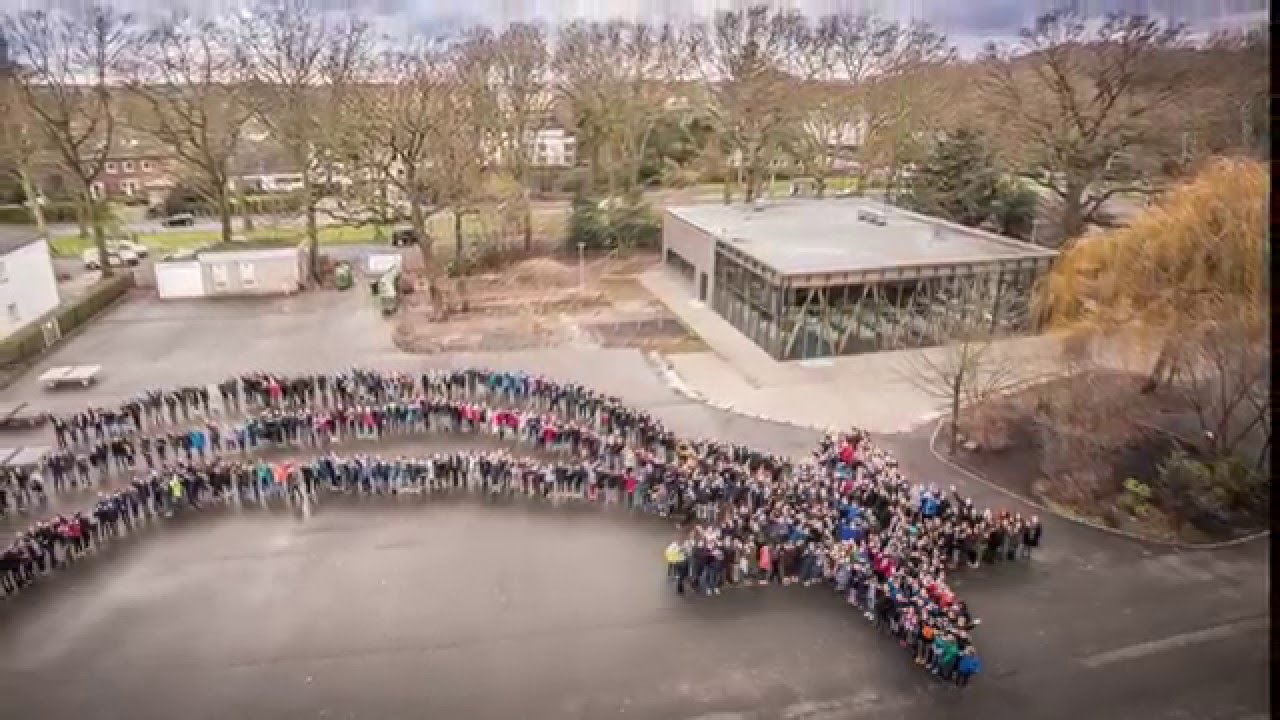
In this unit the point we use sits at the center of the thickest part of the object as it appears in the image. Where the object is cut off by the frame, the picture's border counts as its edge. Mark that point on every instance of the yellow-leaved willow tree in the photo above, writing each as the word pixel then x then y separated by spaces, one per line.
pixel 1188 279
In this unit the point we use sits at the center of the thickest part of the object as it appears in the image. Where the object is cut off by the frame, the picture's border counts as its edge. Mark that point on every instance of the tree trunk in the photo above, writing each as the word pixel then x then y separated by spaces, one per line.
pixel 726 193
pixel 33 198
pixel 313 232
pixel 224 214
pixel 1160 370
pixel 955 413
pixel 99 235
pixel 419 221
pixel 1072 212
pixel 820 186
pixel 245 211
pixel 527 221
pixel 457 240
pixel 82 217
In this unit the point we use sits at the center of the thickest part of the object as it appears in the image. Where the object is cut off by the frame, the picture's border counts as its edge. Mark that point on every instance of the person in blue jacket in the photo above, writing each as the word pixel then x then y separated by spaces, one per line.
pixel 968 666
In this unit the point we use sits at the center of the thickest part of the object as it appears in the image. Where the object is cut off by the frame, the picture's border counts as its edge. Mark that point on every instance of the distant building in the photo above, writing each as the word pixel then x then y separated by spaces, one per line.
pixel 814 278
pixel 261 165
pixel 28 284
pixel 137 169
pixel 554 147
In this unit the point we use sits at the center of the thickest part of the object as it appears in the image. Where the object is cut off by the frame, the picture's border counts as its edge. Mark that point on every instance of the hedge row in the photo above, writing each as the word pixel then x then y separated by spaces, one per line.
pixel 54 212
pixel 265 204
pixel 27 344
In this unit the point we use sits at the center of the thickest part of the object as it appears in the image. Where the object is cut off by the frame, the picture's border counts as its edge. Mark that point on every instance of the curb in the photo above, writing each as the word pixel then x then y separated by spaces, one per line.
pixel 937 428
pixel 677 384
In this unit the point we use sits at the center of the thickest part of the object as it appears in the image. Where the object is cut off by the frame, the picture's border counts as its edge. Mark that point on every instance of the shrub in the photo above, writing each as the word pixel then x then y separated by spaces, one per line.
pixel 1136 499
pixel 54 212
pixel 613 223
pixel 188 200
pixel 28 343
pixel 1213 495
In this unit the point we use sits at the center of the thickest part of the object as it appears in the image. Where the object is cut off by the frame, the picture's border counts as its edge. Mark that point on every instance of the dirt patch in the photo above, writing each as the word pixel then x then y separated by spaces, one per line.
pixel 663 334
pixel 501 334
pixel 546 302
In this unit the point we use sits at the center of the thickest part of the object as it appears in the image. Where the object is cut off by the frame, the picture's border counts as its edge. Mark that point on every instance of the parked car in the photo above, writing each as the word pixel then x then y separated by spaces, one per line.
pixel 119 257
pixel 404 236
pixel 179 220
pixel 136 248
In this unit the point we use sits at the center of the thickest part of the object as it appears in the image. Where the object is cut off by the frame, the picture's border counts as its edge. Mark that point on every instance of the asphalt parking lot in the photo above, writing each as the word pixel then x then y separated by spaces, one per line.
pixel 456 609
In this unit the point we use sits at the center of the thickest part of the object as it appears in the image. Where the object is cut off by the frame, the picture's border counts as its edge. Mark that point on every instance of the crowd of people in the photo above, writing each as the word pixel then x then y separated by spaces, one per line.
pixel 845 516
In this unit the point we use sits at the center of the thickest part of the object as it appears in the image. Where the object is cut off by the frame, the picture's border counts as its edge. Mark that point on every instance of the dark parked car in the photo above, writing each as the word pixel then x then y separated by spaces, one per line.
pixel 179 220
pixel 404 236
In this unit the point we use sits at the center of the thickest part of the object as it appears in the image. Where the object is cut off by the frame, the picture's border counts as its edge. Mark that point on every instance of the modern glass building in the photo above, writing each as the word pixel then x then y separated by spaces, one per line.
pixel 809 278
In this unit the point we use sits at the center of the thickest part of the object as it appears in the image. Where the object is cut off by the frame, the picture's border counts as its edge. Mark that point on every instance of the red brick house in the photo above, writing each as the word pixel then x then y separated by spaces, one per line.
pixel 138 169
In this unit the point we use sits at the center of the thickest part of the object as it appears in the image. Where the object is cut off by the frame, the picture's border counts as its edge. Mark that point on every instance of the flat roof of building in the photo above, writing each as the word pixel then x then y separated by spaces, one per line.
pixel 13 237
pixel 808 236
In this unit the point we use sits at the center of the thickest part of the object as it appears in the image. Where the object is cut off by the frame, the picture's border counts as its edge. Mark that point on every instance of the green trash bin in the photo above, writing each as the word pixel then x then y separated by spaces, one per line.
pixel 342 275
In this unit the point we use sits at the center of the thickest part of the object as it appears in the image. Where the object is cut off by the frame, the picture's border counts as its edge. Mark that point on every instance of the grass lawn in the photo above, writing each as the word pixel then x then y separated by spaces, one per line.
pixel 546 222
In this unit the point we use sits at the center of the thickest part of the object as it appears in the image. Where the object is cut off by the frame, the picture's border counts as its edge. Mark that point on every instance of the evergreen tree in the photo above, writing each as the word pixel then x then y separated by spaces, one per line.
pixel 959 181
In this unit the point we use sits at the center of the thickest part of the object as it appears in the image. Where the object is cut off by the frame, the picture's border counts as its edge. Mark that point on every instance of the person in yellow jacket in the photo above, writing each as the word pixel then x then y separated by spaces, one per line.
pixel 674 556
pixel 677 564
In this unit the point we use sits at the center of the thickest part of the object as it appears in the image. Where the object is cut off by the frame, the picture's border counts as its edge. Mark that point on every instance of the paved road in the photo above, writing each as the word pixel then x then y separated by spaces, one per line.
pixel 430 609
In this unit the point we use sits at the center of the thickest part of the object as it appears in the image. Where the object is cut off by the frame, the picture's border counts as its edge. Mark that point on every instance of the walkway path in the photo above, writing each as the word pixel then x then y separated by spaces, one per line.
pixel 831 392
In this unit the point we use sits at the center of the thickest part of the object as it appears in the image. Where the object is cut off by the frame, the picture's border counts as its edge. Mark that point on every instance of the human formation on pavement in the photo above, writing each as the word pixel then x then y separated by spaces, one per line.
pixel 845 516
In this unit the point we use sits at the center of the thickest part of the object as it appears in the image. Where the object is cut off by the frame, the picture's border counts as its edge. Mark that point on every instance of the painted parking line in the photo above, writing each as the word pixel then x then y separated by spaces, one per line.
pixel 1173 642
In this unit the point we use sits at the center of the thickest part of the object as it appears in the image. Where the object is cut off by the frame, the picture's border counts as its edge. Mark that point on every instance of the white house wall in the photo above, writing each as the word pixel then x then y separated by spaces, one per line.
pixel 694 245
pixel 28 287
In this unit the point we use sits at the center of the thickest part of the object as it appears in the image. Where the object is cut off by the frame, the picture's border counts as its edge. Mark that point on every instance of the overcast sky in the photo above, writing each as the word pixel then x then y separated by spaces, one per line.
pixel 969 23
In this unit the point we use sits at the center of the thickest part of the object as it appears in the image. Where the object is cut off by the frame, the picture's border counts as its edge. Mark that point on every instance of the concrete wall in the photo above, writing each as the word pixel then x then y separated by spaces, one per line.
pixel 28 286
pixel 692 244
pixel 273 271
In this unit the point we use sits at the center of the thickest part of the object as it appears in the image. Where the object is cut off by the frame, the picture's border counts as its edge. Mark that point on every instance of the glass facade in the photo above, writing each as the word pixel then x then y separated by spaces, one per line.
pixel 896 310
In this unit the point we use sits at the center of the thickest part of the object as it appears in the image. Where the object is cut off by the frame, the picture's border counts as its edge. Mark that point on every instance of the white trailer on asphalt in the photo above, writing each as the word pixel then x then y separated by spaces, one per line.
pixel 82 375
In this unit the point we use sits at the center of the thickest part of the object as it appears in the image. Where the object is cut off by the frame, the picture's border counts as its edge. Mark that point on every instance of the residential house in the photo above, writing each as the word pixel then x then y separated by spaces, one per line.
pixel 138 169
pixel 554 147
pixel 261 165
pixel 28 284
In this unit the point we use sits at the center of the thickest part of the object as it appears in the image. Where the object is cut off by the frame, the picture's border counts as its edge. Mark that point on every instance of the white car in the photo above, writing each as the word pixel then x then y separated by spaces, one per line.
pixel 120 257
pixel 136 248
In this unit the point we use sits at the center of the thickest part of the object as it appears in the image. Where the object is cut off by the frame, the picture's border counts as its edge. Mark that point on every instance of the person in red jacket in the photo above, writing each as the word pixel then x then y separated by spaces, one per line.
pixel 765 563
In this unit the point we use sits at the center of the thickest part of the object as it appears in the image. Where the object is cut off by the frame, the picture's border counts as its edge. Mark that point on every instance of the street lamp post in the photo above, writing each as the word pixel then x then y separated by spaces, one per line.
pixel 582 265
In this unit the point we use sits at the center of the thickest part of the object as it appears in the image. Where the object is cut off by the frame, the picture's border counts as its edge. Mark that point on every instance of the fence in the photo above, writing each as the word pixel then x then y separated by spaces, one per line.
pixel 26 345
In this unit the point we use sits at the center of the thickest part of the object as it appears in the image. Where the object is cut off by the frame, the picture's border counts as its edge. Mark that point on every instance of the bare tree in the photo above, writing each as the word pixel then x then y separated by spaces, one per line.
pixel 1079 106
pixel 188 96
pixel 299 63
pixel 66 64
pixel 1224 105
pixel 863 80
pixel 745 62
pixel 969 368
pixel 522 97
pixel 21 147
pixel 1224 375
pixel 468 133
pixel 617 78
